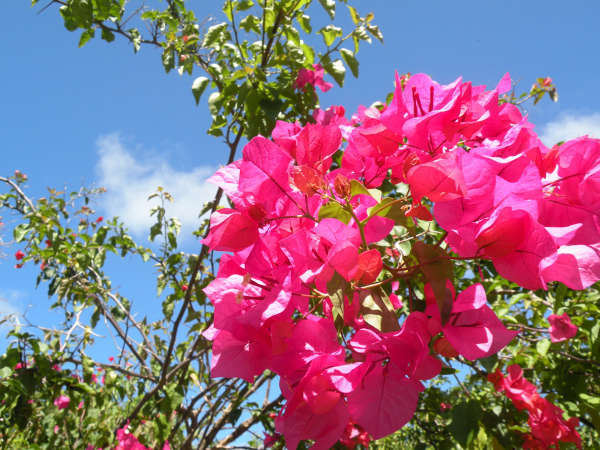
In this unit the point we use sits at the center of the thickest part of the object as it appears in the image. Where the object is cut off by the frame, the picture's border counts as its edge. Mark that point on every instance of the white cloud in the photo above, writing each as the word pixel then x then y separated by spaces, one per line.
pixel 569 126
pixel 129 181
pixel 10 306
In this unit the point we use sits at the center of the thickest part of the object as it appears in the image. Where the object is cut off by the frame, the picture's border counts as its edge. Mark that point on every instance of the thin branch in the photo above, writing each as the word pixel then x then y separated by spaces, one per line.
pixel 244 426
pixel 18 190
pixel 120 331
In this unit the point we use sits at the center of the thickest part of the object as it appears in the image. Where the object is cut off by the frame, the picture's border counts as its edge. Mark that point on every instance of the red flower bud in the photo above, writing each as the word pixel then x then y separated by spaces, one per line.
pixel 341 184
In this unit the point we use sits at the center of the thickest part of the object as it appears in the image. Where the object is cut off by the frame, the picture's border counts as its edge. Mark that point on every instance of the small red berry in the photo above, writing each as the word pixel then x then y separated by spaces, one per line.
pixel 99 219
pixel 184 287
pixel 19 255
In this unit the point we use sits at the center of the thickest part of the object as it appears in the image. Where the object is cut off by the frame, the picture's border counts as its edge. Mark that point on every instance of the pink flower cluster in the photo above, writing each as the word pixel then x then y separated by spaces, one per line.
pixel 548 427
pixel 298 293
pixel 498 191
pixel 127 441
pixel 561 327
pixel 312 77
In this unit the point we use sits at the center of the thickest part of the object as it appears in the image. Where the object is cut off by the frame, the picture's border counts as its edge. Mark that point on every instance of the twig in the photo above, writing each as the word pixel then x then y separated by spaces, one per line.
pixel 18 190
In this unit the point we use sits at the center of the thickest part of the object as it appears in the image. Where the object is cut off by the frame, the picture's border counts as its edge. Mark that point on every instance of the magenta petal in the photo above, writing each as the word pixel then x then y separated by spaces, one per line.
pixel 234 358
pixel 384 402
pixel 477 333
pixel 333 230
pixel 230 231
pixel 302 423
pixel 377 228
pixel 561 327
pixel 471 298
pixel 365 340
pixel 343 257
pixel 438 180
pixel 471 342
pixel 429 367
pixel 577 266
pixel 348 377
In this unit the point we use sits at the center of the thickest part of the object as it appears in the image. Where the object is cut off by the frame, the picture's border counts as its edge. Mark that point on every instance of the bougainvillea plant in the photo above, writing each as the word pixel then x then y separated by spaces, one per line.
pixel 342 242
pixel 422 268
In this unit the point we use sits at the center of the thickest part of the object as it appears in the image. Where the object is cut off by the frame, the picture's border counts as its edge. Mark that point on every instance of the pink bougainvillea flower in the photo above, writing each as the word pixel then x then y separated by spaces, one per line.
pixel 270 439
pixel 315 409
pixel 548 426
pixel 312 77
pixel 561 327
pixel 354 436
pixel 62 402
pixel 384 401
pixel 231 230
pixel 473 329
pixel 127 441
pixel 497 191
pixel 440 179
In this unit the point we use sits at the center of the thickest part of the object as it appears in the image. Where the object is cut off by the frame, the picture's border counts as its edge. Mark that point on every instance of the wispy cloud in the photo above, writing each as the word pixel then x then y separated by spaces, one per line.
pixel 569 126
pixel 10 306
pixel 130 180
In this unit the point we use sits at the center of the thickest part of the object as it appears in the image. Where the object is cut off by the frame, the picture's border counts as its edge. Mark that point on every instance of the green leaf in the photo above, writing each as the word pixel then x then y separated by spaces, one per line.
pixel 351 60
pixel 336 211
pixel 378 311
pixel 20 232
pixel 168 59
pixel 354 14
pixel 330 33
pixel 465 418
pixel 376 32
pixel 437 269
pixel 329 6
pixel 357 188
pixel 86 36
pixel 215 35
pixel 250 23
pixel 309 53
pixel 108 35
pixel 489 363
pixel 304 22
pixel 244 5
pixel 591 400
pixel 543 346
pixel 594 333
pixel 448 371
pixel 336 69
pixel 336 288
pixel 198 87
pixel 213 103
pixel 393 211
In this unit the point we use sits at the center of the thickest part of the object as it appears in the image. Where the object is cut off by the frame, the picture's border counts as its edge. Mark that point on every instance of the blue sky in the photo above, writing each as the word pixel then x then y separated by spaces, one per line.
pixel 102 116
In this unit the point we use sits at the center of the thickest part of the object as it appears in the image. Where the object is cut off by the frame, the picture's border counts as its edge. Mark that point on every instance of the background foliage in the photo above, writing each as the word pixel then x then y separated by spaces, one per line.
pixel 245 68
